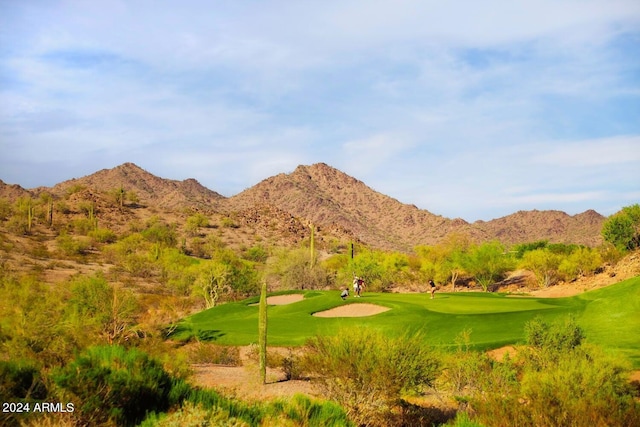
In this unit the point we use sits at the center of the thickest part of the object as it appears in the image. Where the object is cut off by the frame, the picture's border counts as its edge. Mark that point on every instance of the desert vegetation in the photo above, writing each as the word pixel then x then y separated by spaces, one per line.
pixel 105 305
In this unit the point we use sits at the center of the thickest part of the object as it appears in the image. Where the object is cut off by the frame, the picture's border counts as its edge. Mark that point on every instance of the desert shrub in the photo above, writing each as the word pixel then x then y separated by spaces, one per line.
pixel 194 415
pixel 522 248
pixel 487 263
pixel 293 367
pixel 112 384
pixel 103 235
pixel 610 254
pixel 227 222
pixel 83 226
pixel 544 264
pixel 195 222
pixel 20 380
pixel 31 322
pixel 584 387
pixel 5 209
pixel 225 276
pixel 293 270
pixel 210 353
pixel 176 271
pixel 581 262
pixel 303 411
pixel 556 380
pixel 71 246
pixel 463 368
pixel 548 341
pixel 102 309
pixel 17 224
pixel 256 253
pixel 623 228
pixel 370 384
pixel 161 233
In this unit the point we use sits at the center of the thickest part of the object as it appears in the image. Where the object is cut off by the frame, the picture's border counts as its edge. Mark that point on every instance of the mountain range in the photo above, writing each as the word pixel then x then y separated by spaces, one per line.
pixel 332 200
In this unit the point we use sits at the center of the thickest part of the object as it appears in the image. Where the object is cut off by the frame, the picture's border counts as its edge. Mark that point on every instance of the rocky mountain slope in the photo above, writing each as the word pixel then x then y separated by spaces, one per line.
pixel 325 195
pixel 150 189
pixel 332 200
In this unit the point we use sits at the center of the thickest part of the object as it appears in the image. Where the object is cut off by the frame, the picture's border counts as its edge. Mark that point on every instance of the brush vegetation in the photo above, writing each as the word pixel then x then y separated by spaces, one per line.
pixel 116 336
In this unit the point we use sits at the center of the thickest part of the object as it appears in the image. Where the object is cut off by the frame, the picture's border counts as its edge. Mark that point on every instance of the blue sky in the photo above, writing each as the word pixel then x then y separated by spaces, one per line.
pixel 464 108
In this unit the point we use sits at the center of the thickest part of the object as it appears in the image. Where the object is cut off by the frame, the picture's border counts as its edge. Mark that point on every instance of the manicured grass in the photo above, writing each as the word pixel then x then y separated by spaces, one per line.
pixel 610 317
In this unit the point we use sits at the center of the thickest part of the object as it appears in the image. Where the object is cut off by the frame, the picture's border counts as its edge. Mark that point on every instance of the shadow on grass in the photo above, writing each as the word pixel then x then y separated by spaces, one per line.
pixel 210 335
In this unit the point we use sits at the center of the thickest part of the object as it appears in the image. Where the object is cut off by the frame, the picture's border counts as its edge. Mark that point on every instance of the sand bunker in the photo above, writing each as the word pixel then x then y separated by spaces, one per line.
pixel 353 310
pixel 283 299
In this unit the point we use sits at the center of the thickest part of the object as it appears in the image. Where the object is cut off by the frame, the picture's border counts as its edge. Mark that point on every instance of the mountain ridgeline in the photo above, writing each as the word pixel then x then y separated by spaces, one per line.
pixel 333 201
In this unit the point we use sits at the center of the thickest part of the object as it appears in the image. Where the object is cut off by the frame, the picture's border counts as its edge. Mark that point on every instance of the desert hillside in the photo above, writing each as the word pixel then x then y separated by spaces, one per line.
pixel 329 198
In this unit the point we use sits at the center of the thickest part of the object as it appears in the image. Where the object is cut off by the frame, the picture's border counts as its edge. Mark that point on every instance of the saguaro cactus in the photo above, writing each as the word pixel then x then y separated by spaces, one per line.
pixel 50 211
pixel 262 332
pixel 30 213
pixel 312 246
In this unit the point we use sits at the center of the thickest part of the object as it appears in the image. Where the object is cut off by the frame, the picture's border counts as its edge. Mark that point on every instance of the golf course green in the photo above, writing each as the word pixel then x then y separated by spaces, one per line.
pixel 609 316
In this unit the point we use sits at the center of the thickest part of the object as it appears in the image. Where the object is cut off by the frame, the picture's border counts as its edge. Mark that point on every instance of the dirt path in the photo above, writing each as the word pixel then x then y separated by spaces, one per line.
pixel 244 382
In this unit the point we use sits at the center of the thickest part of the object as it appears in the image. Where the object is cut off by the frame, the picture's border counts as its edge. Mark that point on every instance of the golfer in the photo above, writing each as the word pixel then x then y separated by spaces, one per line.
pixel 433 289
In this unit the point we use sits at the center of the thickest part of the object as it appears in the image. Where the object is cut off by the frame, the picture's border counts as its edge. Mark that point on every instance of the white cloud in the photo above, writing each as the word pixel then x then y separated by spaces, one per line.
pixel 369 154
pixel 442 104
pixel 599 152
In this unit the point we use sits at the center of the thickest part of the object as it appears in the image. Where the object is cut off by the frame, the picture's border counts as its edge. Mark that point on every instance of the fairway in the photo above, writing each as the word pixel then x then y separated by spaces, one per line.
pixel 609 316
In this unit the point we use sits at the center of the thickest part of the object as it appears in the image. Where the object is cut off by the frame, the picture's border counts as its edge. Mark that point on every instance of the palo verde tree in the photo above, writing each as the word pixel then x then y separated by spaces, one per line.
pixel 544 264
pixel 487 262
pixel 622 229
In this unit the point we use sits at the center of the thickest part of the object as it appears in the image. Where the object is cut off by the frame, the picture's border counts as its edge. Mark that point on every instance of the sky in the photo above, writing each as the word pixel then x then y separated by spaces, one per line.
pixel 468 109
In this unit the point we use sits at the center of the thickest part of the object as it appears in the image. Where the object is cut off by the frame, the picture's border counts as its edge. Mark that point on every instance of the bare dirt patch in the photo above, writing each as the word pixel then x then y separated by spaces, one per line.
pixel 244 381
pixel 498 354
pixel 353 310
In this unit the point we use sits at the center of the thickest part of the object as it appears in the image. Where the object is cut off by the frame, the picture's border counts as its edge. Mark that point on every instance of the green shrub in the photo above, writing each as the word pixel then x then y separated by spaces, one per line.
pixel 623 228
pixel 367 373
pixel 160 233
pixel 195 222
pixel 584 387
pixel 211 353
pixel 5 209
pixel 194 415
pixel 112 384
pixel 71 246
pixel 20 380
pixel 548 341
pixel 84 226
pixel 256 253
pixel 103 235
pixel 544 264
pixel 557 380
pixel 107 311
pixel 303 411
pixel 581 262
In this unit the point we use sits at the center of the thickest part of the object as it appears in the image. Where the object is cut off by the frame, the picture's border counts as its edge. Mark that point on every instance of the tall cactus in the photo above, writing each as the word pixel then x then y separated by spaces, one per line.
pixel 30 212
pixel 120 195
pixel 312 246
pixel 262 332
pixel 93 220
pixel 50 211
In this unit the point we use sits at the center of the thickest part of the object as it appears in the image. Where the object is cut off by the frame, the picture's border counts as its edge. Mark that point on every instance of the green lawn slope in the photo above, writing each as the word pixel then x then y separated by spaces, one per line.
pixel 610 317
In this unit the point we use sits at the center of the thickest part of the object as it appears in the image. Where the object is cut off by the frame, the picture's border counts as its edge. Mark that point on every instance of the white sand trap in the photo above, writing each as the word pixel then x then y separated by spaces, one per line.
pixel 353 310
pixel 282 299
